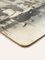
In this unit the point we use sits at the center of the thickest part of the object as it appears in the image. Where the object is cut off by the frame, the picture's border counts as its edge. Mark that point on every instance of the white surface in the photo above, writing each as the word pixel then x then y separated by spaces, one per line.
pixel 11 51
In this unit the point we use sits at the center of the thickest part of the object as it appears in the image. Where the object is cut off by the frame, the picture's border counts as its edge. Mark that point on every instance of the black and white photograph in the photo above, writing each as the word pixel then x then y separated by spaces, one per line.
pixel 22 21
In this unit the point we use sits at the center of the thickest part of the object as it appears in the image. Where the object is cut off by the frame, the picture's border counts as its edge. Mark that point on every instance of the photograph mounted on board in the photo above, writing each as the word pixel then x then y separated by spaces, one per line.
pixel 22 21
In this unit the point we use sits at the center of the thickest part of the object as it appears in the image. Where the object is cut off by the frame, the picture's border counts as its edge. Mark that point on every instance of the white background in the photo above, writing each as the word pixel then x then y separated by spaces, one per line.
pixel 11 51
